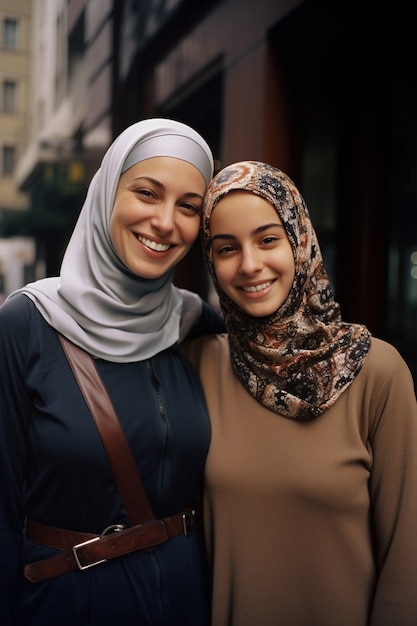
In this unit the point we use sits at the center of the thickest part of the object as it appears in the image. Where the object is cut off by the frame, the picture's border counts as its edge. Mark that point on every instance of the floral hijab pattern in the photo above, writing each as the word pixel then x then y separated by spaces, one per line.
pixel 298 360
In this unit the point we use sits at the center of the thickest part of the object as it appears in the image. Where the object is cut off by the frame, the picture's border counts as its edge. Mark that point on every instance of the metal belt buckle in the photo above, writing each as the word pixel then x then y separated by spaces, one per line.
pixel 186 521
pixel 77 560
pixel 113 528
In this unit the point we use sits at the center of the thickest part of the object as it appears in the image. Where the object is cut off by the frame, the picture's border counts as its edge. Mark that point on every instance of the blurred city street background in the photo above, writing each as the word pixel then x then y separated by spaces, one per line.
pixel 324 90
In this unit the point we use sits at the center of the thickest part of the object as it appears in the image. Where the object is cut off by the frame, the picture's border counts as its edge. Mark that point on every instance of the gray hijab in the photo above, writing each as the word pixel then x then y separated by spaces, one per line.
pixel 96 301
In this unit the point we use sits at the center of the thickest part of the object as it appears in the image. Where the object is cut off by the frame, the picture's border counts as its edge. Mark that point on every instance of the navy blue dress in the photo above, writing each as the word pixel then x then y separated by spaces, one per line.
pixel 53 469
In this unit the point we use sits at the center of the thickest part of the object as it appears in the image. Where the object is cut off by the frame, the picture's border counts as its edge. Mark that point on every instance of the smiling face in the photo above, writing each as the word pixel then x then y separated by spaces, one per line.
pixel 156 214
pixel 252 256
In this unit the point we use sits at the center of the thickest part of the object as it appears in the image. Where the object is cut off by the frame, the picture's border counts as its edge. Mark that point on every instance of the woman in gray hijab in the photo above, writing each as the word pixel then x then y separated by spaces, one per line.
pixel 115 299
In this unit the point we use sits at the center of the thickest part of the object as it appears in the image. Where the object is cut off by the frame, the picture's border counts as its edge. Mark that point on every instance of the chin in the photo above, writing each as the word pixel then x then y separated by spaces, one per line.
pixel 260 310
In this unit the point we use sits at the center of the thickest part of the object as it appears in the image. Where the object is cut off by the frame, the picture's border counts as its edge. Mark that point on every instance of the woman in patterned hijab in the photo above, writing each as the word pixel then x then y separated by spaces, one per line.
pixel 299 359
pixel 311 477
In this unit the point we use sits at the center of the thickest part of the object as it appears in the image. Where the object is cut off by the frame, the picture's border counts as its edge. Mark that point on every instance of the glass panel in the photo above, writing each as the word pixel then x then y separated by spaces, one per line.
pixel 10 33
pixel 8 160
pixel 9 96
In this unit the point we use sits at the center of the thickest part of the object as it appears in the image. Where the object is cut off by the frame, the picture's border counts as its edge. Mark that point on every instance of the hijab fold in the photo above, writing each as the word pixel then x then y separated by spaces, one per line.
pixel 96 301
pixel 298 360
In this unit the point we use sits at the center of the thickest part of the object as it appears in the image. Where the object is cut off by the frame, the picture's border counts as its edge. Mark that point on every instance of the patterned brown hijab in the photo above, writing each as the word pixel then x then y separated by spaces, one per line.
pixel 298 360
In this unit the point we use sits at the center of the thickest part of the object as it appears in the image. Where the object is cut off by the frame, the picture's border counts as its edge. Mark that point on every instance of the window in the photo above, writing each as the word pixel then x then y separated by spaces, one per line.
pixel 9 96
pixel 9 154
pixel 10 33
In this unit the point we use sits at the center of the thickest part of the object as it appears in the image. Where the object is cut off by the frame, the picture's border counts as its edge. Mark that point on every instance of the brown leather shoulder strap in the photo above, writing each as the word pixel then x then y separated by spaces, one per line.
pixel 114 440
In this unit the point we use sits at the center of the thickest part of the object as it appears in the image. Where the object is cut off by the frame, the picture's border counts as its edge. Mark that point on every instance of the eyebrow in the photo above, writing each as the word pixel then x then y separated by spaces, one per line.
pixel 157 183
pixel 256 231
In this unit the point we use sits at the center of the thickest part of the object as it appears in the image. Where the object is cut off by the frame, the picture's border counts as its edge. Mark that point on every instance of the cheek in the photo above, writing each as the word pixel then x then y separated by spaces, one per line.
pixel 116 228
pixel 291 268
pixel 189 227
pixel 287 262
pixel 123 215
pixel 224 273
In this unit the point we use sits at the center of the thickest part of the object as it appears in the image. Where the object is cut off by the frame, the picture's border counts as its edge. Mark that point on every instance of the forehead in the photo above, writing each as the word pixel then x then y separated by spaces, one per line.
pixel 240 208
pixel 165 169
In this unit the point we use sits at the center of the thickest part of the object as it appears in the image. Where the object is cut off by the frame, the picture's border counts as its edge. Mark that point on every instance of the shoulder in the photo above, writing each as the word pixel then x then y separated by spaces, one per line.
pixel 15 332
pixel 16 314
pixel 380 348
pixel 209 322
pixel 385 384
pixel 207 348
pixel 21 324
pixel 384 361
pixel 15 305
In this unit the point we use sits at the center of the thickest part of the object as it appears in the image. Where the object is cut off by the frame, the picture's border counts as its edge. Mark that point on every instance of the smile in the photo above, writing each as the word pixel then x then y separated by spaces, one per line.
pixel 255 288
pixel 153 245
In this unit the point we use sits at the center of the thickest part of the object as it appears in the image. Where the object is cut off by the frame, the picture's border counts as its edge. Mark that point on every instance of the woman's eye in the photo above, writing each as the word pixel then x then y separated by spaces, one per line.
pixel 224 249
pixel 146 193
pixel 270 239
pixel 191 207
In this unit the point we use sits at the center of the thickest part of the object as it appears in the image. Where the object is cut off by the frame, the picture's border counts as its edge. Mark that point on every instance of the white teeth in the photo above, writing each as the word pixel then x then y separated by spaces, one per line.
pixel 256 288
pixel 159 247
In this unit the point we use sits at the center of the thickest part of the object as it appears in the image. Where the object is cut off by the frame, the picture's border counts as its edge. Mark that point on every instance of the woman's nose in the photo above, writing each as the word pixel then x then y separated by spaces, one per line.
pixel 164 217
pixel 251 261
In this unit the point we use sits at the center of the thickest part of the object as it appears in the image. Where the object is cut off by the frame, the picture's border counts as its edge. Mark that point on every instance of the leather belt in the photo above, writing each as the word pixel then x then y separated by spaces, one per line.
pixel 83 550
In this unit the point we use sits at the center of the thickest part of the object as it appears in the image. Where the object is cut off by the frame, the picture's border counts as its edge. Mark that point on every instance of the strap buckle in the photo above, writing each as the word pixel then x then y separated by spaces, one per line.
pixel 187 518
pixel 80 566
pixel 113 528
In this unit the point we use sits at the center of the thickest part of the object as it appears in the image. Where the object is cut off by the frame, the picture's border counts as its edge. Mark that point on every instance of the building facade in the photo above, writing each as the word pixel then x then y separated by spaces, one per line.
pixel 68 129
pixel 15 255
pixel 324 90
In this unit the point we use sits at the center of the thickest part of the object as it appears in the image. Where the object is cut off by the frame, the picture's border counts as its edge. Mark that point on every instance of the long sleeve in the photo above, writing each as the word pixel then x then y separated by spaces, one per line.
pixel 14 417
pixel 393 490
